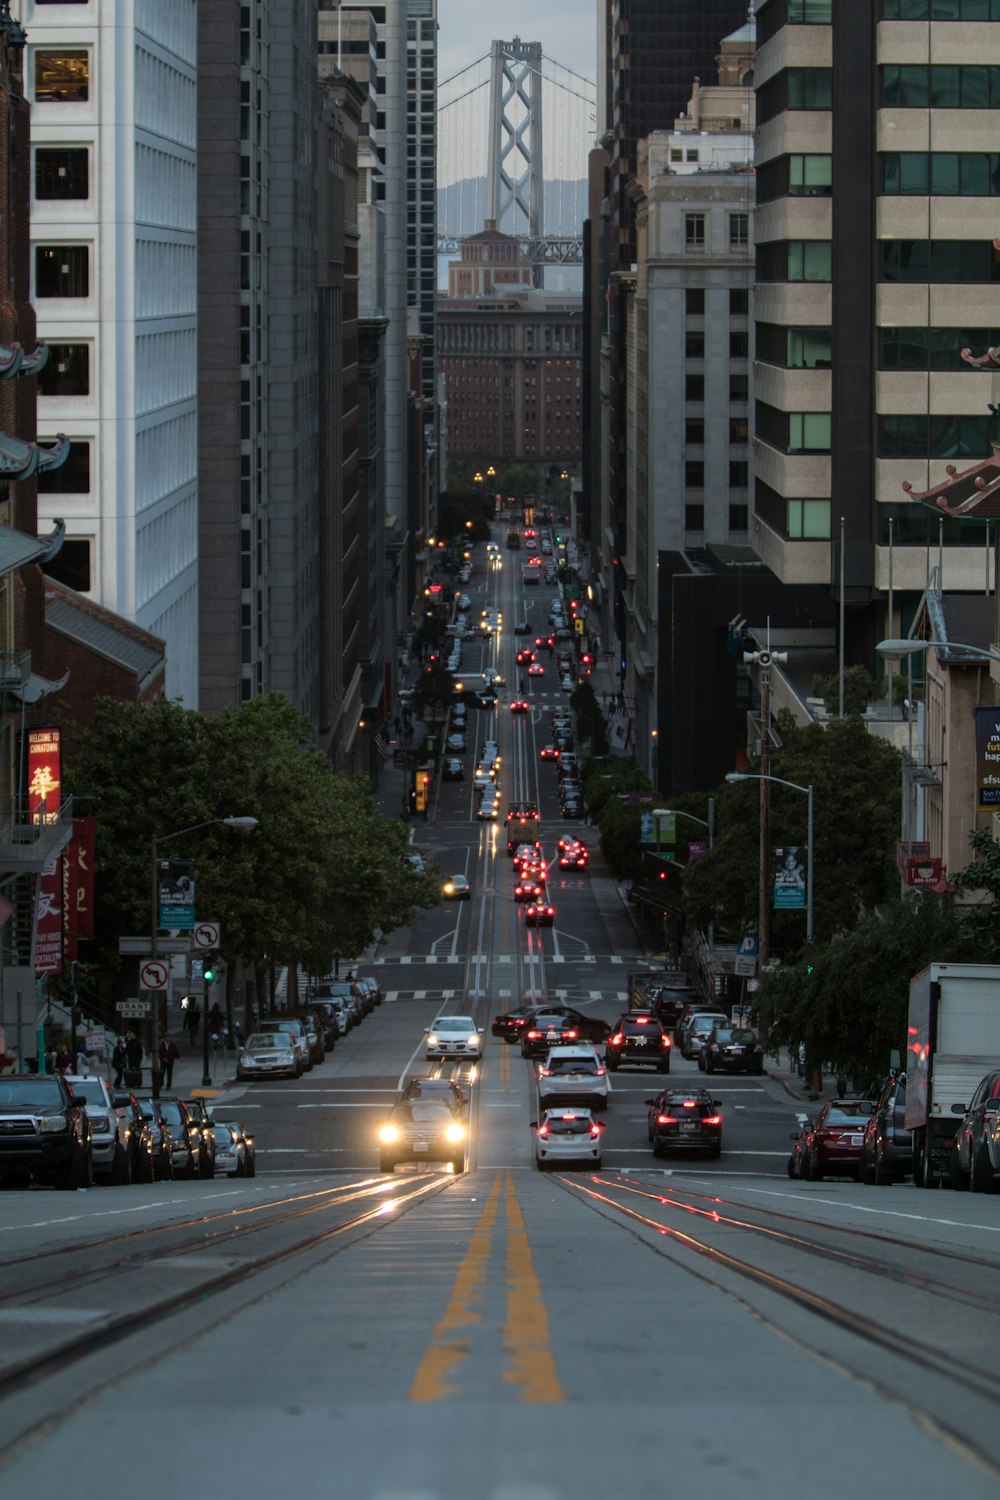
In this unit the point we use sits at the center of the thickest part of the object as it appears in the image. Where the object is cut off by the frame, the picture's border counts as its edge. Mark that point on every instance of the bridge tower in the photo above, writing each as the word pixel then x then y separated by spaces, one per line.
pixel 514 174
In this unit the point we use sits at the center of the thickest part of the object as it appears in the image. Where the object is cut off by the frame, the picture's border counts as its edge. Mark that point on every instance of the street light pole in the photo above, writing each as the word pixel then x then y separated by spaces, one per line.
pixel 808 790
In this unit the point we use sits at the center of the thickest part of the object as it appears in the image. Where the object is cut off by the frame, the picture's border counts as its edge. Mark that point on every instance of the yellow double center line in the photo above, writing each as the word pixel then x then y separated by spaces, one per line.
pixel 529 1361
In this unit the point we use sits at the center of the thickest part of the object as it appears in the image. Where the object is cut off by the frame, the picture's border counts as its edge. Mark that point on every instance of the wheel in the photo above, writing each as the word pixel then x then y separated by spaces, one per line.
pixel 709 1065
pixel 146 1172
pixel 866 1172
pixel 665 1065
pixel 815 1171
pixel 791 1168
pixel 701 1063
pixel 805 1170
pixel 542 1166
pixel 883 1176
pixel 207 1168
pixel 714 1153
pixel 165 1170
pixel 657 1149
pixel 458 1163
pixel 386 1163
pixel 959 1180
pixel 78 1172
pixel 121 1166
pixel 981 1178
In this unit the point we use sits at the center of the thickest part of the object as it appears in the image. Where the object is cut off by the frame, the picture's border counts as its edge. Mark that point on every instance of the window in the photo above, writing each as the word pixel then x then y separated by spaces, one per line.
pixel 676 154
pixel 970 261
pixel 694 431
pixel 739 518
pixel 61 173
pixel 71 565
pixel 739 301
pixel 739 230
pixel 694 388
pixel 739 344
pixel 62 76
pixel 74 476
pixel 739 429
pixel 66 372
pixel 942 86
pixel 810 176
pixel 809 260
pixel 941 10
pixel 808 520
pixel 693 154
pixel 694 344
pixel 694 231
pixel 739 474
pixel 809 432
pixel 694 300
pixel 810 88
pixel 694 474
pixel 809 348
pixel 810 12
pixel 739 387
pixel 694 518
pixel 62 271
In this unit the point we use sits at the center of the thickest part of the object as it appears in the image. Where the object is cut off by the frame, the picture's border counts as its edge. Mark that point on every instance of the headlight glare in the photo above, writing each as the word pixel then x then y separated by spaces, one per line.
pixel 454 1133
pixel 388 1134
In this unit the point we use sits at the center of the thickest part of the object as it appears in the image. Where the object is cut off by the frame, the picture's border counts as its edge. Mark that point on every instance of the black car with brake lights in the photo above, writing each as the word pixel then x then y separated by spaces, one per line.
pixel 684 1120
pixel 539 913
pixel 732 1049
pixel 590 1029
pixel 544 1031
pixel 509 1024
pixel 639 1039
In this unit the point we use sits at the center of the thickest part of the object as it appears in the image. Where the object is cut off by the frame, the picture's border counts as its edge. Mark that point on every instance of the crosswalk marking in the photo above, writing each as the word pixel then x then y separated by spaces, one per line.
pixel 416 960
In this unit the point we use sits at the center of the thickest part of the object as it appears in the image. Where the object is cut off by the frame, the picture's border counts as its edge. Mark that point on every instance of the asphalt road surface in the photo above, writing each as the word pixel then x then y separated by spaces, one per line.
pixel 663 1326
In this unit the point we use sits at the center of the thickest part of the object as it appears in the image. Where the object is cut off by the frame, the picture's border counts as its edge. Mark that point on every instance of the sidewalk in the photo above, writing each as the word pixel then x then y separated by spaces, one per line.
pixel 783 1070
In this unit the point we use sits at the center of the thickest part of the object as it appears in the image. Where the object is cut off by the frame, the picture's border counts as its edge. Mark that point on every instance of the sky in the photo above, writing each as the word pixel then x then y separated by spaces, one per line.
pixel 567 30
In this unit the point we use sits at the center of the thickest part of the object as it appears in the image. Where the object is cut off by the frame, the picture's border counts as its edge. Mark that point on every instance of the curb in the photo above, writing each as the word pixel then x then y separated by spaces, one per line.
pixel 779 1078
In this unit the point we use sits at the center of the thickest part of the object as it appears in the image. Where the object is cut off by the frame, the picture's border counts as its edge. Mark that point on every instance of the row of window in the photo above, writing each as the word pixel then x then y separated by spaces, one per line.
pixel 940 86
pixel 739 301
pixel 899 348
pixel 917 436
pixel 694 517
pixel 970 174
pixel 694 474
pixel 694 230
pixel 694 344
pixel 948 261
pixel 941 10
pixel 694 431
pixel 694 387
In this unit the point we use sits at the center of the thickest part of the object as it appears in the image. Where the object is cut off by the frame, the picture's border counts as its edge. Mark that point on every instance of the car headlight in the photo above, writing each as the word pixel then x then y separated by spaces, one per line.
pixel 454 1133
pixel 433 1041
pixel 286 1057
pixel 100 1124
pixel 51 1124
pixel 388 1134
pixel 473 1040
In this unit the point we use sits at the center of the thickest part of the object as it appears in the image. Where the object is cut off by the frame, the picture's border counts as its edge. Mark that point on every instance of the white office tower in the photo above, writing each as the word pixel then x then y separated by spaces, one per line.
pixel 114 212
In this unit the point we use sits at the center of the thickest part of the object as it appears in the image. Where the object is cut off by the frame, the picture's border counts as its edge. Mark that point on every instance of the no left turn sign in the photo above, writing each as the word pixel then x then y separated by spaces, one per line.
pixel 153 975
pixel 207 934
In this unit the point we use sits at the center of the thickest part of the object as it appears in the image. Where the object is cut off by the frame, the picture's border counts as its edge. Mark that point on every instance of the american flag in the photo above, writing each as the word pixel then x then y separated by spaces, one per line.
pixel 381 746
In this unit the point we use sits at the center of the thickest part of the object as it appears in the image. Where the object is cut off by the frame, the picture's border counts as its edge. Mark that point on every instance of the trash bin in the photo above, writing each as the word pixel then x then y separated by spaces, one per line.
pixel 133 1078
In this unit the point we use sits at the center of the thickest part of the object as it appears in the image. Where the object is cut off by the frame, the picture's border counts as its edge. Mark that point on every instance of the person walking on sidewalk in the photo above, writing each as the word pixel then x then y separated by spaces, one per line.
pixel 118 1062
pixel 169 1054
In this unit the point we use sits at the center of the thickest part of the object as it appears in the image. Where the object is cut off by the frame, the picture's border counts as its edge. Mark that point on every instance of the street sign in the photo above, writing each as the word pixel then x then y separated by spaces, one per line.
pixel 207 934
pixel 153 974
pixel 138 947
pixel 135 1008
pixel 746 956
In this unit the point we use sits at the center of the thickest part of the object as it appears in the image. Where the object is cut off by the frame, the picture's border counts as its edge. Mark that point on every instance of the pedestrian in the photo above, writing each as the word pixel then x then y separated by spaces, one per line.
pixel 63 1059
pixel 133 1052
pixel 216 1020
pixel 118 1061
pixel 193 1021
pixel 169 1053
pixel 82 1064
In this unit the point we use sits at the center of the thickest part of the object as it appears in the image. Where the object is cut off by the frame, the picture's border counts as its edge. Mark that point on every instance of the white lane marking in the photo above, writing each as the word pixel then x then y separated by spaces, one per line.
pixel 358 1105
pixel 52 1314
pixel 888 1213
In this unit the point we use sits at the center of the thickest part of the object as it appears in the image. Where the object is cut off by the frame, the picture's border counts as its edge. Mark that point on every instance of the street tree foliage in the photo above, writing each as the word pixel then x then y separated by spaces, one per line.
pixel 455 509
pixel 604 777
pixel 620 830
pixel 980 879
pixel 846 1001
pixel 589 718
pixel 322 870
pixel 856 789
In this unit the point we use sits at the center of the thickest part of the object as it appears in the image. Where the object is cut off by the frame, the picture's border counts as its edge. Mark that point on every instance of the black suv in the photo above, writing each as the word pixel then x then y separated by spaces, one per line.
pixel 685 1120
pixel 887 1145
pixel 44 1133
pixel 638 1038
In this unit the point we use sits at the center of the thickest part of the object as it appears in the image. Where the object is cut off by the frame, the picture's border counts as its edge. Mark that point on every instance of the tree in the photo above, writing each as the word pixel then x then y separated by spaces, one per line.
pixel 859 690
pixel 605 776
pixel 620 829
pixel 981 877
pixel 589 717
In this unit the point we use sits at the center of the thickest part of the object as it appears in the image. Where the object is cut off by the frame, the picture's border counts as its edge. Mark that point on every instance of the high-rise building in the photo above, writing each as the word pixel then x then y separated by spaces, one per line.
pixel 114 221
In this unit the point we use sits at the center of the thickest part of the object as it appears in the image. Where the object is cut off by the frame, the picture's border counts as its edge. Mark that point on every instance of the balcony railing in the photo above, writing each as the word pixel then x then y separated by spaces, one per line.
pixel 27 843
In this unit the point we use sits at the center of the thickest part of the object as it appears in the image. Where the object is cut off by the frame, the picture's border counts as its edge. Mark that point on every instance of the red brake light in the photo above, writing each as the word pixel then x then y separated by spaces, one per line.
pixel 665 1040
pixel 616 1040
pixel 543 1130
pixel 570 1033
pixel 545 1072
pixel 642 1020
pixel 689 1104
pixel 595 1129
pixel 534 1034
pixel 714 1120
pixel 665 1120
pixel 600 1072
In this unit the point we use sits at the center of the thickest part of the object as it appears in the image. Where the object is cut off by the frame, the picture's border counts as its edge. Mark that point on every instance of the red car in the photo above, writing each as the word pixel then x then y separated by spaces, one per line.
pixel 539 914
pixel 831 1145
pixel 536 669
pixel 528 890
pixel 520 706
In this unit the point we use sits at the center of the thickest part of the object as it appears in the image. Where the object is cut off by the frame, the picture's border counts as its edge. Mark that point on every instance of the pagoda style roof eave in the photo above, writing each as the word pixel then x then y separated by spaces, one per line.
pixel 952 497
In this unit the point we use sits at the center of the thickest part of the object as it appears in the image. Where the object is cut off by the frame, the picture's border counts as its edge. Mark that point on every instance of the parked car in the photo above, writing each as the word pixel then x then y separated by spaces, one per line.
pixel 269 1054
pixel 564 1136
pixel 45 1133
pixel 185 1132
pixel 370 983
pixel 832 1144
pixel 422 1130
pixel 293 1027
pixel 141 1138
pixel 697 1027
pixel 975 1156
pixel 734 1049
pixel 639 1038
pixel 199 1110
pixel 573 1075
pixel 161 1139
pixel 111 1131
pixel 887 1146
pixel 685 1120
pixel 799 1137
pixel 231 1153
pixel 313 1027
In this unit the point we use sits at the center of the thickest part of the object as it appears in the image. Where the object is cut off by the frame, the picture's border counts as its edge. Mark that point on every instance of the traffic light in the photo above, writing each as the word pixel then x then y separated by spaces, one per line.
pixel 208 967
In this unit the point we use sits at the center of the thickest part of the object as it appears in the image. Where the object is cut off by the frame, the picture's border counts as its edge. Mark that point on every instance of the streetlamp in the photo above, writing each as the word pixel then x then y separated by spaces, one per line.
pixel 242 825
pixel 491 473
pixel 765 906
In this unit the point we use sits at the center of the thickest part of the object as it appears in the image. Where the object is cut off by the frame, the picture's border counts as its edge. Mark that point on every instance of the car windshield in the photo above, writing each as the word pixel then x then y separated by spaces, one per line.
pixel 88 1088
pixel 286 1025
pixel 37 1095
pixel 453 1023
pixel 850 1112
pixel 572 1065
pixel 422 1112
pixel 266 1041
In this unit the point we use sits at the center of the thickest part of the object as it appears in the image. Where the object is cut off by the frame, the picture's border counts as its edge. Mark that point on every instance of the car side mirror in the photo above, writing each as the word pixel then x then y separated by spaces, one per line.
pixel 959 1109
pixel 795 1136
pixel 649 1101
pixel 427 1031
pixel 533 1124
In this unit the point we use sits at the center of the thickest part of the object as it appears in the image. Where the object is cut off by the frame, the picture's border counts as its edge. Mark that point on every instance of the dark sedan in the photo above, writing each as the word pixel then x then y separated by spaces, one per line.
pixel 584 1028
pixel 734 1049
pixel 510 1023
pixel 685 1120
pixel 544 1031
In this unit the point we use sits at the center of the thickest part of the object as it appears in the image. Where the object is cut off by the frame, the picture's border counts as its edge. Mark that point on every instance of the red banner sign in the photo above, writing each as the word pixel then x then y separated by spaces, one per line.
pixel 48 945
pixel 79 881
pixel 44 775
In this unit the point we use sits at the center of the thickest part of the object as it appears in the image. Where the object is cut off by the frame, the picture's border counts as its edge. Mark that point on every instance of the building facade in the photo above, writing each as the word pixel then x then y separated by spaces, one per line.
pixel 114 222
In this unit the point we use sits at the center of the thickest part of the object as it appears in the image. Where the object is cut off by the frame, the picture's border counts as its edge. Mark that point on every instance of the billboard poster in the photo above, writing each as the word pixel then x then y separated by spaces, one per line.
pixel 789 879
pixel 44 776
pixel 988 756
pixel 47 956
pixel 176 883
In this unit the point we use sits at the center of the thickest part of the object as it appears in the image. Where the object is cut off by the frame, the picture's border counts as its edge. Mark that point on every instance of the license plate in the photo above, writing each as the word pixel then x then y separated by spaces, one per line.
pixel 855 1140
pixel 420 1145
pixel 552 1036
pixel 690 1129
pixel 638 1041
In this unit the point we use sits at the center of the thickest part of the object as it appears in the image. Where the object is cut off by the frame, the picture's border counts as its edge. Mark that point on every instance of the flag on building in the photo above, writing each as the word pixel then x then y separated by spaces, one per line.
pixel 381 746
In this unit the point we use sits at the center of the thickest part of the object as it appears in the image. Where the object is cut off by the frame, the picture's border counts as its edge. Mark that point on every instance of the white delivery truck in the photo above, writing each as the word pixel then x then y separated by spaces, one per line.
pixel 953 1039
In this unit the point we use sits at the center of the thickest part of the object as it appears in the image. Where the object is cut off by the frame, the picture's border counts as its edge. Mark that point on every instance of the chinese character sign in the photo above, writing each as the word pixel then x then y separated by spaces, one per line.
pixel 44 775
pixel 176 882
pixel 789 878
pixel 47 957
pixel 988 756
pixel 79 880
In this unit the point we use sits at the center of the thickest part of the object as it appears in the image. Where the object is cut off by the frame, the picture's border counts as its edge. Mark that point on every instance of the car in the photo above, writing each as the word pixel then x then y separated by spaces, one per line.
pixel 546 1029
pixel 370 983
pixel 250 1160
pixel 832 1144
pixel 684 1120
pixel 323 1023
pixel 453 1036
pixel 533 872
pixel 113 1151
pixel 887 1147
pixel 456 888
pixel 422 1130
pixel 567 1135
pixel 488 810
pixel 639 1039
pixel 548 752
pixel 539 914
pixel 185 1132
pixel 295 1029
pixel 526 853
pixel 573 1075
pixel 45 1133
pixel 437 1090
pixel 342 1013
pixel 572 807
pixel 509 1023
pixel 536 669
pixel 491 752
pixel 482 778
pixel 452 770
pixel 528 890
pixel 734 1049
pixel 569 767
pixel 668 1002
pixel 525 656
pixel 975 1155
pixel 695 1027
pixel 455 743
pixel 230 1150
pixel 141 1134
pixel 269 1054
pixel 573 855
pixel 313 1026
pixel 198 1109
pixel 563 740
pixel 521 627
pixel 486 699
pixel 520 706
pixel 161 1141
pixel 794 1163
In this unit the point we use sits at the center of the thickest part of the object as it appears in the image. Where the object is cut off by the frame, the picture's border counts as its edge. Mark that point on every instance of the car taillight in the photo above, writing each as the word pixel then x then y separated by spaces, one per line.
pixel 689 1104
pixel 616 1040
pixel 664 1040
pixel 600 1072
pixel 543 1130
pixel 714 1120
pixel 595 1129
pixel 545 1072
pixel 665 1120
pixel 571 1034
pixel 642 1020
pixel 534 1035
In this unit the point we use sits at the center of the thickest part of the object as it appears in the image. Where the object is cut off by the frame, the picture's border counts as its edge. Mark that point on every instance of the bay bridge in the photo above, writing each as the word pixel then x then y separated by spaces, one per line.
pixel 514 131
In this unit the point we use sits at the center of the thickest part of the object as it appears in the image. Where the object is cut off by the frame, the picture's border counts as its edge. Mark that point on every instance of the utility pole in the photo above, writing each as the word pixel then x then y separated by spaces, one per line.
pixel 763 660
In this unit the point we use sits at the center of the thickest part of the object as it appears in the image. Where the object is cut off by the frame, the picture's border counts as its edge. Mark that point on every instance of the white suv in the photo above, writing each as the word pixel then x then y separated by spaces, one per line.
pixel 573 1075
